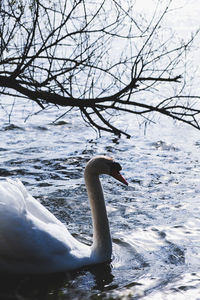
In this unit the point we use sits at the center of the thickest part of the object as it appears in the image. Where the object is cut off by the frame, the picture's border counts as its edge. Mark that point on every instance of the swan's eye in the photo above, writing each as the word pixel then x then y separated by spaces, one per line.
pixel 115 167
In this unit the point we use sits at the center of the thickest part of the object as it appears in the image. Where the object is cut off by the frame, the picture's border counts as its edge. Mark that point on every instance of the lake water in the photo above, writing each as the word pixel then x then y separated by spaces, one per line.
pixel 155 221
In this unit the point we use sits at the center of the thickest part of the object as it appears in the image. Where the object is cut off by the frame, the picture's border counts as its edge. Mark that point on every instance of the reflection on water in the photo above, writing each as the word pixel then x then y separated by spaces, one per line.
pixel 57 286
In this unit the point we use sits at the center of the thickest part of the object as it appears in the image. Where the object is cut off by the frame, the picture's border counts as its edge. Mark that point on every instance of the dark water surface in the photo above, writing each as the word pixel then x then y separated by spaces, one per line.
pixel 155 221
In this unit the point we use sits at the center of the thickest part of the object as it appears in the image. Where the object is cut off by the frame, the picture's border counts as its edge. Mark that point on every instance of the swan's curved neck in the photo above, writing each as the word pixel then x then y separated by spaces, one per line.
pixel 102 245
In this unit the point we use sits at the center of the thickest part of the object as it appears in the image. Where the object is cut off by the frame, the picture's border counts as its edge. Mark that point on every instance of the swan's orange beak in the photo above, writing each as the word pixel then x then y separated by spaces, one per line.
pixel 118 176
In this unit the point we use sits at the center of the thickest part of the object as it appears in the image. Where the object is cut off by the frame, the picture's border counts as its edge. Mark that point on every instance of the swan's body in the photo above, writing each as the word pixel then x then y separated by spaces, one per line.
pixel 33 240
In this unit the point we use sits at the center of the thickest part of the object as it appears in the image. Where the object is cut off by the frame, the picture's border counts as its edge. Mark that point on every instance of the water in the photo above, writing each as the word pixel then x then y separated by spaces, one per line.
pixel 155 221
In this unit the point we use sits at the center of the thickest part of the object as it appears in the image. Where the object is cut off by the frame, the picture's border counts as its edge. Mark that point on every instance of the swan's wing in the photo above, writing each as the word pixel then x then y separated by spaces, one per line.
pixel 29 237
pixel 25 236
pixel 23 216
pixel 32 205
pixel 11 198
pixel 28 245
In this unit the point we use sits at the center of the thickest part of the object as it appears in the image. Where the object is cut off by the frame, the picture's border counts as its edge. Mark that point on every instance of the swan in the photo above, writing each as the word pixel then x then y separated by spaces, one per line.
pixel 33 240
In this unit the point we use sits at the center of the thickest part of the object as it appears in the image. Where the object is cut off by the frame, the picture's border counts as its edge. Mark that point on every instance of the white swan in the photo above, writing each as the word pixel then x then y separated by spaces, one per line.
pixel 33 240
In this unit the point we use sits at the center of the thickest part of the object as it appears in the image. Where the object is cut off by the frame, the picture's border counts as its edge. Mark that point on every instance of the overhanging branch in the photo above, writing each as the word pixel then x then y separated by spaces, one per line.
pixel 78 55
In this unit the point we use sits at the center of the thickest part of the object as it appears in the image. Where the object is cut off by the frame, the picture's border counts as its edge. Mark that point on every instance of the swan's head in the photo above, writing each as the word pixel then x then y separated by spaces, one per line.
pixel 105 165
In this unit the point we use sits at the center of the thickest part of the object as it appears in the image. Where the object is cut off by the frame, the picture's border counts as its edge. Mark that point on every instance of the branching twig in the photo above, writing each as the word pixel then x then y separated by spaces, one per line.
pixel 78 54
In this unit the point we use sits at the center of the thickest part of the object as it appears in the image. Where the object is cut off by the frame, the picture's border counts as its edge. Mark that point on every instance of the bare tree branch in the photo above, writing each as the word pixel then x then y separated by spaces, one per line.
pixel 98 56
